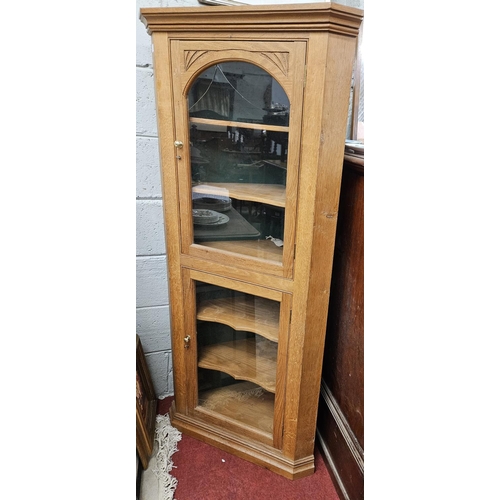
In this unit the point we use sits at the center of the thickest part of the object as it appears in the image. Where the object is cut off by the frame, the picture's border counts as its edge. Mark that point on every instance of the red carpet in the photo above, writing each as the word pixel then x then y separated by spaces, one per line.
pixel 207 473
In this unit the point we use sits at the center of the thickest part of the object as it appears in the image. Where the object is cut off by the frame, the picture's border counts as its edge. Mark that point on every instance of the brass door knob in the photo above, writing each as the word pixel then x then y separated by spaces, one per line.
pixel 178 144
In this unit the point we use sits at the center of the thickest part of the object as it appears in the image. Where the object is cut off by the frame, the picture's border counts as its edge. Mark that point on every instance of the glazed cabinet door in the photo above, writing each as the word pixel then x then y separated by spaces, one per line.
pixel 237 121
pixel 235 355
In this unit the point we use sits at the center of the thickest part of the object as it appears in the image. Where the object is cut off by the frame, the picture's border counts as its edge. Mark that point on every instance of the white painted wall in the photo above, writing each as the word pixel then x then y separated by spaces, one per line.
pixel 152 298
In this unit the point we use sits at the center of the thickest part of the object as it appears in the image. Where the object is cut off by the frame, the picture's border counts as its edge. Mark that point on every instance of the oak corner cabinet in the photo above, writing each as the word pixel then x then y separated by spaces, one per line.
pixel 252 105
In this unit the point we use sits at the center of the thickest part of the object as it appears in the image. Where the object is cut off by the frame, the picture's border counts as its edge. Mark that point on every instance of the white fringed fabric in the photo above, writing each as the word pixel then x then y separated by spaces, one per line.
pixel 166 439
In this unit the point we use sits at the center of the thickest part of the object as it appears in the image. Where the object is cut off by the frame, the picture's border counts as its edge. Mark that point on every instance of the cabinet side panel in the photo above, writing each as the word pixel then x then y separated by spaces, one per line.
pixel 330 138
pixel 311 129
pixel 339 65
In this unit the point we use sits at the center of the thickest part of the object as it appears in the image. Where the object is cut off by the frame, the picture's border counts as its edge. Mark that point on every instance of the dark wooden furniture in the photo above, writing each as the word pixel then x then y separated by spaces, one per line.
pixel 340 428
pixel 145 407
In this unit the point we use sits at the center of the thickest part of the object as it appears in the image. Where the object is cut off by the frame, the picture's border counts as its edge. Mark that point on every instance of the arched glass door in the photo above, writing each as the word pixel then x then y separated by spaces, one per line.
pixel 238 133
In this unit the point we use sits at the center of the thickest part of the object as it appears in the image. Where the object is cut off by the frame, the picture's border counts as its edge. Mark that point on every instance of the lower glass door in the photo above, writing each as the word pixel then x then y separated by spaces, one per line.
pixel 237 353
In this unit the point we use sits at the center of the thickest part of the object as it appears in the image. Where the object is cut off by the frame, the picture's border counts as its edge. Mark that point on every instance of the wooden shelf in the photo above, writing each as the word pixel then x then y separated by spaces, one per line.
pixel 271 194
pixel 236 228
pixel 228 123
pixel 243 360
pixel 243 402
pixel 260 249
pixel 257 315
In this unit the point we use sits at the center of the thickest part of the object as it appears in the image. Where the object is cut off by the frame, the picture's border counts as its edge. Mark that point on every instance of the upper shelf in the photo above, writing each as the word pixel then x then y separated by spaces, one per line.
pixel 270 194
pixel 227 123
pixel 259 315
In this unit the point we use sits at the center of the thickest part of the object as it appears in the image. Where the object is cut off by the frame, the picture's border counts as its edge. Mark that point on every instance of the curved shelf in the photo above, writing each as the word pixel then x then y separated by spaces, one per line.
pixel 243 360
pixel 244 402
pixel 257 315
pixel 270 194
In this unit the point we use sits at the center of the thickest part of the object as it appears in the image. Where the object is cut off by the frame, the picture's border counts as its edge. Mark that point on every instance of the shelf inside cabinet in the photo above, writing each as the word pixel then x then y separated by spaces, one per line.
pixel 244 360
pixel 258 315
pixel 244 402
pixel 270 194
pixel 239 124
pixel 236 228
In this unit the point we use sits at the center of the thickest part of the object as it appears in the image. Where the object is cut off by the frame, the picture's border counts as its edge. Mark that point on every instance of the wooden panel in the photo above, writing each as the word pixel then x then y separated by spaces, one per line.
pixel 243 360
pixel 145 406
pixel 260 249
pixel 337 447
pixel 243 429
pixel 256 315
pixel 241 445
pixel 282 369
pixel 343 370
pixel 189 351
pixel 322 156
pixel 298 59
pixel 181 157
pixel 246 274
pixel 217 254
pixel 272 57
pixel 236 285
pixel 171 213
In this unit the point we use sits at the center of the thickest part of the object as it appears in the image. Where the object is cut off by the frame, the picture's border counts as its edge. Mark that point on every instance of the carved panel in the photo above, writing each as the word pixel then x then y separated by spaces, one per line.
pixel 190 56
pixel 279 59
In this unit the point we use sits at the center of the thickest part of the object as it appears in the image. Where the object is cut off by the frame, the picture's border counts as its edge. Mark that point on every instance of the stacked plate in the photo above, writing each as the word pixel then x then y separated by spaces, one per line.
pixel 219 204
pixel 204 217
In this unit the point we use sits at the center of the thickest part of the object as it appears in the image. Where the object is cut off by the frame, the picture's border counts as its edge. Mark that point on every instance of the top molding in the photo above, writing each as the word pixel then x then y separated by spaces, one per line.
pixel 330 17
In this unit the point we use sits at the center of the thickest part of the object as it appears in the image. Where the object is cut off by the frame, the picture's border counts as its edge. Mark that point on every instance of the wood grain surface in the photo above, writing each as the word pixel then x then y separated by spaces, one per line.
pixel 271 194
pixel 250 314
pixel 242 360
pixel 244 402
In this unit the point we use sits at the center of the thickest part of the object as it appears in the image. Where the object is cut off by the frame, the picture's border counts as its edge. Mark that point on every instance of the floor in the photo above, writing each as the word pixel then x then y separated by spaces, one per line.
pixel 207 473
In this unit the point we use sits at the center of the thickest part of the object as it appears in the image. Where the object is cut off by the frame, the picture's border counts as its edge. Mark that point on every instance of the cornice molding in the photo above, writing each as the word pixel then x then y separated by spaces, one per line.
pixel 328 17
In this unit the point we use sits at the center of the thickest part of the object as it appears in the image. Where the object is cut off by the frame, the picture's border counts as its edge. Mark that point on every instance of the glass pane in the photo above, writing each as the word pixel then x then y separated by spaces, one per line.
pixel 237 338
pixel 239 117
pixel 240 92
